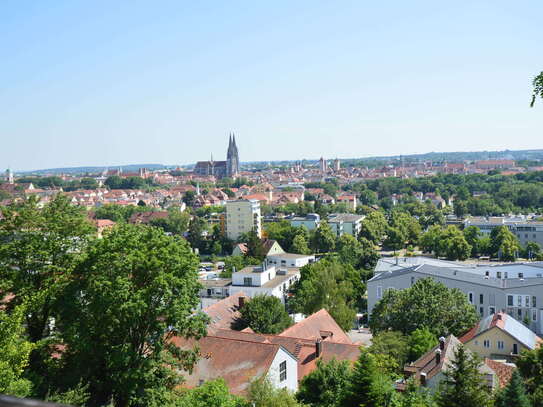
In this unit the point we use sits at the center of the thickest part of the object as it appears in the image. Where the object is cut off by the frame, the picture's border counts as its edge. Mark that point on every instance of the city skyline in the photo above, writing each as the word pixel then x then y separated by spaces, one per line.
pixel 106 84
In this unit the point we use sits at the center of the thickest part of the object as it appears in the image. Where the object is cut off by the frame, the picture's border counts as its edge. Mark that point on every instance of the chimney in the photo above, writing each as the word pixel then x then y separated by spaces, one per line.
pixel 318 348
pixel 438 356
pixel 241 302
pixel 442 343
pixel 423 379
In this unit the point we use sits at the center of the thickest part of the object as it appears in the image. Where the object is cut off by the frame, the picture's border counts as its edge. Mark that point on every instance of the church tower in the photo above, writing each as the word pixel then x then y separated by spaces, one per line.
pixel 232 158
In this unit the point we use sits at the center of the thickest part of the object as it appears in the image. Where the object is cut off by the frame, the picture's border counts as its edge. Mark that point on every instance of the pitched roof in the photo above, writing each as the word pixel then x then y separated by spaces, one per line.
pixel 503 371
pixel 237 361
pixel 507 324
pixel 224 314
pixel 303 349
pixel 428 363
pixel 315 325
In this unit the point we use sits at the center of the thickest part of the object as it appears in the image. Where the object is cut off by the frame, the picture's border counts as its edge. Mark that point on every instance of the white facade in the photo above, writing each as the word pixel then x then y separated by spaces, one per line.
pixel 345 223
pixel 524 228
pixel 283 372
pixel 243 216
pixel 289 259
pixel 253 281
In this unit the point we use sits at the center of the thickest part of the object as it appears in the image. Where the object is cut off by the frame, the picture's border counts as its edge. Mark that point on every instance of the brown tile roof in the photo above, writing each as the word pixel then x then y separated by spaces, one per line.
pixel 503 371
pixel 303 349
pixel 146 217
pixel 315 324
pixel 238 362
pixel 224 314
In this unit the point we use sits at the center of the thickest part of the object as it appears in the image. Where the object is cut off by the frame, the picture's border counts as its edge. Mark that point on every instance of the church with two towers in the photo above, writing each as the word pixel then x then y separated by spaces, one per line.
pixel 221 169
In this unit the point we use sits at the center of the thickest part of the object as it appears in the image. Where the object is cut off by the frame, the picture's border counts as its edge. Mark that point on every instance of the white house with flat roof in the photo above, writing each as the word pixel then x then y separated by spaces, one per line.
pixel 289 259
pixel 264 279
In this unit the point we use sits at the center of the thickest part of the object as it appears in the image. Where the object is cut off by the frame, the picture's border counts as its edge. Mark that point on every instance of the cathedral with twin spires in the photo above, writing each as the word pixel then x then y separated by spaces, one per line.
pixel 221 169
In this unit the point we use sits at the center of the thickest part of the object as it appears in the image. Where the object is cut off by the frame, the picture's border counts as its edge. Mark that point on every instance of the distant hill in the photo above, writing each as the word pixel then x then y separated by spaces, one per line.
pixel 455 156
pixel 94 170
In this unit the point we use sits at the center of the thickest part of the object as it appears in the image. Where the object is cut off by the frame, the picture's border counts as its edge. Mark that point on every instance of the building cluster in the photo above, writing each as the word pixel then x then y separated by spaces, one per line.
pixel 240 356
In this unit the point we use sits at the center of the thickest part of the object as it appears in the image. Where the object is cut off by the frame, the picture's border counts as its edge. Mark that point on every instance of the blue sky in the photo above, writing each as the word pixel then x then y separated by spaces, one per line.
pixel 109 83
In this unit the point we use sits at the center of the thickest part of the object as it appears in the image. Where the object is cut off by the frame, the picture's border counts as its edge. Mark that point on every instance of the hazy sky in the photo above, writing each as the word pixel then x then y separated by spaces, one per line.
pixel 119 82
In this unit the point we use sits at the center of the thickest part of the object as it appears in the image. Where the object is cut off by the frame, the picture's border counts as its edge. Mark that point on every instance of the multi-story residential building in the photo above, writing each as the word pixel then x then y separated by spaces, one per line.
pixel 516 289
pixel 524 228
pixel 311 221
pixel 345 223
pixel 263 279
pixel 243 216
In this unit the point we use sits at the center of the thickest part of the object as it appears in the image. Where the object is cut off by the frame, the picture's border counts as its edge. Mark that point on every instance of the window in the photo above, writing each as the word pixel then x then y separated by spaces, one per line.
pixel 283 371
pixel 412 280
pixel 501 345
pixel 515 349
pixel 519 313
pixel 470 298
pixel 527 301
pixel 486 343
pixel 510 300
pixel 491 310
pixel 481 311
pixel 519 300
pixel 481 299
pixel 534 315
pixel 499 274
pixel 248 281
pixel 505 274
pixel 379 292
pixel 534 301
pixel 520 275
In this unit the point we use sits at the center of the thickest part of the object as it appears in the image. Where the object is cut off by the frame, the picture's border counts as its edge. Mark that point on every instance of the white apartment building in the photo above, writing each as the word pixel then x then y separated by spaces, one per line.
pixel 255 280
pixel 243 216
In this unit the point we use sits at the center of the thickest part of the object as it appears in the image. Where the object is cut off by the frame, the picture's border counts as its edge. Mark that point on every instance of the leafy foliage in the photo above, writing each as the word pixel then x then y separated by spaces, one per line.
pixel 464 385
pixel 431 305
pixel 326 385
pixel 134 289
pixel 265 314
pixel 331 285
pixel 14 354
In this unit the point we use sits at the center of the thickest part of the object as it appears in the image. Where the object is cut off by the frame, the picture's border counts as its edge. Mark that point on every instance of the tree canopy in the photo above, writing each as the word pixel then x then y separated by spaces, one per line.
pixel 431 305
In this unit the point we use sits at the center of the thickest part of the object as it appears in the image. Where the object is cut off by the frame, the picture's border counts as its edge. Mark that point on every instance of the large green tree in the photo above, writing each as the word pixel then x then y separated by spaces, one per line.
pixel 40 246
pixel 514 394
pixel 265 314
pixel 326 385
pixel 324 240
pixel 369 387
pixel 374 227
pixel 360 254
pixel 331 285
pixel 504 244
pixel 431 305
pixel 134 289
pixel 452 244
pixel 14 354
pixel 464 385
pixel 530 366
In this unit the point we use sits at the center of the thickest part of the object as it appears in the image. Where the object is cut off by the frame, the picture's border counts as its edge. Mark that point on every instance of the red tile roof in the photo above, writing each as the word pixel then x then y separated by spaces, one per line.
pixel 314 325
pixel 503 371
pixel 224 314
pixel 237 361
